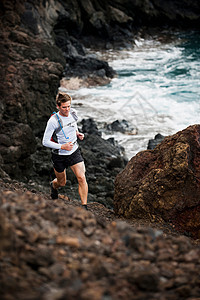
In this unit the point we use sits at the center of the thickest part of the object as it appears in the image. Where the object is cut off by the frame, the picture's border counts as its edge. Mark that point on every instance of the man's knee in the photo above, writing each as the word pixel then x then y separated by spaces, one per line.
pixel 61 178
pixel 81 178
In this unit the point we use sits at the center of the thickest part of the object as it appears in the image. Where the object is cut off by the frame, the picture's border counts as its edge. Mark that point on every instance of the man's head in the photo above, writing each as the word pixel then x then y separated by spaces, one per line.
pixel 63 102
pixel 62 97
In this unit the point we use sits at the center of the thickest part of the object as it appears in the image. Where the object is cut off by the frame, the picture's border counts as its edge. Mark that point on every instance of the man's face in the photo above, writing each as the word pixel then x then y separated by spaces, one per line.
pixel 64 108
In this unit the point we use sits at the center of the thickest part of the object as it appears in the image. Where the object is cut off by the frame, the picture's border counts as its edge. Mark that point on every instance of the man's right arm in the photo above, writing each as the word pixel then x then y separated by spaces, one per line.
pixel 46 141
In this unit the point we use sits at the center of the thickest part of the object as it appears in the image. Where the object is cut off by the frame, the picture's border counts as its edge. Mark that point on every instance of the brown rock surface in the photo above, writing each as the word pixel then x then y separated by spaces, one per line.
pixel 56 250
pixel 164 184
pixel 30 70
pixel 31 66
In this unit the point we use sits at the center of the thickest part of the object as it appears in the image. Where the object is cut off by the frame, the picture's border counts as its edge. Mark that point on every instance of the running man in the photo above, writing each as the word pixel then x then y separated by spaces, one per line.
pixel 61 135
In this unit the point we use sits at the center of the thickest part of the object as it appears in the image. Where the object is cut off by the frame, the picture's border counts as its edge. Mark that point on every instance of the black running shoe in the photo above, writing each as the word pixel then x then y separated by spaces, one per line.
pixel 54 192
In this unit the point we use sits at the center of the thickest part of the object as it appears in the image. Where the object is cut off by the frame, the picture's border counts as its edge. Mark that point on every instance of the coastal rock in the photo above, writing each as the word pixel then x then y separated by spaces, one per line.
pixel 32 73
pixel 31 68
pixel 17 144
pixel 85 66
pixel 122 126
pixel 154 142
pixel 163 184
pixel 89 126
pixel 103 160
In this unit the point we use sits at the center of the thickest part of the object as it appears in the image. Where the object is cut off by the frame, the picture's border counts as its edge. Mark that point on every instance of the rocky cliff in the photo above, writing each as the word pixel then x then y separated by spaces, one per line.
pixel 31 68
pixel 164 184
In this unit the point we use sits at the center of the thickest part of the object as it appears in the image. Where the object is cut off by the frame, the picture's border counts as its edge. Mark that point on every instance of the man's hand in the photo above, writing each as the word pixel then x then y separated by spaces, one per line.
pixel 80 135
pixel 67 146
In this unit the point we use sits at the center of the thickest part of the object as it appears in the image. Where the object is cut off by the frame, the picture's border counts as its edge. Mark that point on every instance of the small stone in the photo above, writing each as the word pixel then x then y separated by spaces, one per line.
pixel 70 241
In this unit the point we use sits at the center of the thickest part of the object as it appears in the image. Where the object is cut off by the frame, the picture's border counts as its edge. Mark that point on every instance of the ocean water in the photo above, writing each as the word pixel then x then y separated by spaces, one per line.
pixel 157 89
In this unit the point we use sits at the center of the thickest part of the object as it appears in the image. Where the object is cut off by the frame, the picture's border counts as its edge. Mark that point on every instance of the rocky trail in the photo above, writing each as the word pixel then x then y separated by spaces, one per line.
pixel 102 214
pixel 56 250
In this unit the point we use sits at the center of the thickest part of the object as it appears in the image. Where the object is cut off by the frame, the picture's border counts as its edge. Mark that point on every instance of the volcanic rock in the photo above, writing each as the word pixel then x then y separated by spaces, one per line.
pixel 154 142
pixel 89 126
pixel 164 183
pixel 31 67
pixel 122 126
pixel 57 250
pixel 17 144
pixel 104 159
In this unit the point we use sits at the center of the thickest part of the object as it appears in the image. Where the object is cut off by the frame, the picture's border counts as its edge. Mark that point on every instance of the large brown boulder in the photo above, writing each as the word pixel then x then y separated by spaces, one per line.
pixel 164 184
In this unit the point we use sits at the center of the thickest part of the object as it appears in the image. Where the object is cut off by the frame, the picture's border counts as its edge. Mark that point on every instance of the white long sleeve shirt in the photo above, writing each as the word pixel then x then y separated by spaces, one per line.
pixel 69 126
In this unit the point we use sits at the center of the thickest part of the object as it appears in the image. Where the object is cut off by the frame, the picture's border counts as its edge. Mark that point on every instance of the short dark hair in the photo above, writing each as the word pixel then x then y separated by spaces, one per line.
pixel 62 98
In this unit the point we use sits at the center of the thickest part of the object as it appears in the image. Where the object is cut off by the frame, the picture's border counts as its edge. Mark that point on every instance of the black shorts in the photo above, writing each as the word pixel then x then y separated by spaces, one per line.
pixel 61 162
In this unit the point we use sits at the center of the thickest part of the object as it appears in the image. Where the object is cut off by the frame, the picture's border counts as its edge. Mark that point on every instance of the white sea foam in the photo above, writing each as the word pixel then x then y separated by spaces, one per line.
pixel 157 90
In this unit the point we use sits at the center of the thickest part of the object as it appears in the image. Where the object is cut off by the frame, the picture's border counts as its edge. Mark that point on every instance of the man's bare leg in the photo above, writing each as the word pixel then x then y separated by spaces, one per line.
pixel 60 179
pixel 79 171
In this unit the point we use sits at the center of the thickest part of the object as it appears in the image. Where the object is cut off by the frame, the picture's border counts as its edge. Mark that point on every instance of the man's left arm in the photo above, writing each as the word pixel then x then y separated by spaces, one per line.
pixel 80 135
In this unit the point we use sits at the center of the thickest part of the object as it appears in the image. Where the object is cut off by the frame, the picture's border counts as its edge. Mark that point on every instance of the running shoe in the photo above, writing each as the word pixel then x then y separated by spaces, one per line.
pixel 54 192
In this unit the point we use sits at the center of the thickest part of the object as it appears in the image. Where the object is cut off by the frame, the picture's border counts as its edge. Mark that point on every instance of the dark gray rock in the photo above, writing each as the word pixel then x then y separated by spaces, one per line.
pixel 103 160
pixel 89 126
pixel 83 66
pixel 154 142
pixel 122 126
